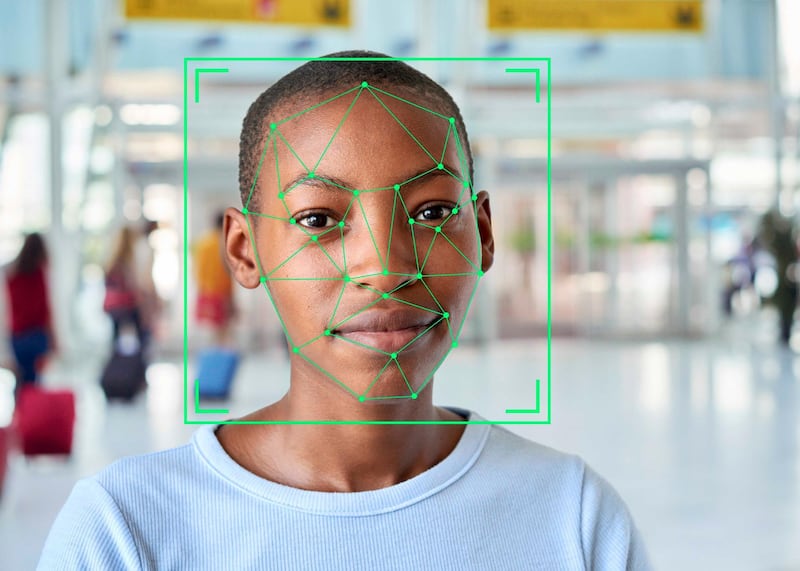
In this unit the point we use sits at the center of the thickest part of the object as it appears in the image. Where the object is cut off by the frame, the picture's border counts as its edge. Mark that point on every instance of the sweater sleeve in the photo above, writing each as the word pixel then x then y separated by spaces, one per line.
pixel 90 532
pixel 609 537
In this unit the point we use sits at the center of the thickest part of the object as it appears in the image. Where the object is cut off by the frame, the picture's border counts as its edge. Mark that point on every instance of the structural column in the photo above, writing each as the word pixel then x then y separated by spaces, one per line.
pixel 56 64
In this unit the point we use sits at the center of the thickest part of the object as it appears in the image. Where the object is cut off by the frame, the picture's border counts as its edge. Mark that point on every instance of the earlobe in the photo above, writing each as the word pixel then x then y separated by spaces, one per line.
pixel 239 253
pixel 484 213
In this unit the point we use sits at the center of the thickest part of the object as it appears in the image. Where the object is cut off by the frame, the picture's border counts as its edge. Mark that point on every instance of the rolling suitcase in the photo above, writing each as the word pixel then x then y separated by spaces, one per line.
pixel 44 420
pixel 215 372
pixel 124 375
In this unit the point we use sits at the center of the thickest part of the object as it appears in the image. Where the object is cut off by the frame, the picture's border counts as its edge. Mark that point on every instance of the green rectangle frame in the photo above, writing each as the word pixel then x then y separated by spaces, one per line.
pixel 186 391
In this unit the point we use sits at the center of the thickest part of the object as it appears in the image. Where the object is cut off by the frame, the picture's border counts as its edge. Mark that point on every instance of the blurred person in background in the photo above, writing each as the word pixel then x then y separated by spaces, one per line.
pixel 740 272
pixel 779 236
pixel 124 296
pixel 30 317
pixel 150 302
pixel 214 306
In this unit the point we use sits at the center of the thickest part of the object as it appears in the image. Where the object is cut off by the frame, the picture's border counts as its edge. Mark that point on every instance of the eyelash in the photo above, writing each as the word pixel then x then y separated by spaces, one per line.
pixel 330 221
pixel 446 207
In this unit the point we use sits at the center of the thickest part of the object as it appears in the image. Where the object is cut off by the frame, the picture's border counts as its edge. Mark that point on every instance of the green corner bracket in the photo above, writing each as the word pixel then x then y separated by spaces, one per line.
pixel 197 408
pixel 535 410
pixel 525 414
pixel 528 70
pixel 200 70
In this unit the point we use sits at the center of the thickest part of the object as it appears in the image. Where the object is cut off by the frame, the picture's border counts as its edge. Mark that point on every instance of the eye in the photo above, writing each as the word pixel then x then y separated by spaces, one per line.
pixel 434 212
pixel 315 220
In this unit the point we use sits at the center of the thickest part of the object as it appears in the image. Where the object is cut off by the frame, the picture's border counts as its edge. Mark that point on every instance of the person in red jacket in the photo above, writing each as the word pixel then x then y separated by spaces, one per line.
pixel 30 318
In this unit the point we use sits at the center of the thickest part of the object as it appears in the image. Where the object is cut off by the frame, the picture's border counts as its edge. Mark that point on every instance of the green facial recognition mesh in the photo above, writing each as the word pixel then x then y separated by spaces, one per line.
pixel 327 234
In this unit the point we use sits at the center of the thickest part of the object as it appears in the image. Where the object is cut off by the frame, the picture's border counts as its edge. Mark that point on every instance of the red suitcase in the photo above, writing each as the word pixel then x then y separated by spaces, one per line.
pixel 44 420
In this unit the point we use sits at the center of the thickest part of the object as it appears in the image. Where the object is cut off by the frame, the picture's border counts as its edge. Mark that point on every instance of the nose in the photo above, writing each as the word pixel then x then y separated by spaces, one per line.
pixel 380 249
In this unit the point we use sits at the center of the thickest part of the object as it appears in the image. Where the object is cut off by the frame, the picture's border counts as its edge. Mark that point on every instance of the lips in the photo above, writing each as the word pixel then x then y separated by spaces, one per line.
pixel 387 331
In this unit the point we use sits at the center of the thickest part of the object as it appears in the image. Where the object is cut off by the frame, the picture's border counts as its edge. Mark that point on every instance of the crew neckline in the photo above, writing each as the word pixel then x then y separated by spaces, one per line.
pixel 349 504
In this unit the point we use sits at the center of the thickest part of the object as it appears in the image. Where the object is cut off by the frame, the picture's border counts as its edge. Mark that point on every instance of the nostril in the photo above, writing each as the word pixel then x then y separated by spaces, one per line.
pixel 385 284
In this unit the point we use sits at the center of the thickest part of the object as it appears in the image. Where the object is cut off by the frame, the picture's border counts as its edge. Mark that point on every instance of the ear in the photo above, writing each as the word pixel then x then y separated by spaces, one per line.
pixel 239 252
pixel 483 212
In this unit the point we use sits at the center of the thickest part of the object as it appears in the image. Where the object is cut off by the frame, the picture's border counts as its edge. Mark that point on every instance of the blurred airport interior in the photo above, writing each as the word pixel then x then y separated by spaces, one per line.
pixel 645 185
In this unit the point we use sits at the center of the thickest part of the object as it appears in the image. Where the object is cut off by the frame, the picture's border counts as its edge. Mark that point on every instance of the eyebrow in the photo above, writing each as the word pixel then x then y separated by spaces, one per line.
pixel 328 182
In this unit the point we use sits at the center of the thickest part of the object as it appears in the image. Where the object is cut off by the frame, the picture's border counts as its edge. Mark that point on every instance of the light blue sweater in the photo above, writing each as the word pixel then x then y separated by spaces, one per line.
pixel 497 502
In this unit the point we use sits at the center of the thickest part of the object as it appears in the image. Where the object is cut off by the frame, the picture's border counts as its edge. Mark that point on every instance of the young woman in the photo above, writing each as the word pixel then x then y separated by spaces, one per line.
pixel 30 318
pixel 361 223
pixel 124 296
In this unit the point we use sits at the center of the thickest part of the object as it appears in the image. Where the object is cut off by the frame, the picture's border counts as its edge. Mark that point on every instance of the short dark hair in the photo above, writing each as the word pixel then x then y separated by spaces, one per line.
pixel 32 255
pixel 318 77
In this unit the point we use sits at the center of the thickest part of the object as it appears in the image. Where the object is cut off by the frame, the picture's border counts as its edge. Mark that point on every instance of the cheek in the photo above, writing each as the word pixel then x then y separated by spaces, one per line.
pixel 304 306
pixel 301 260
pixel 453 251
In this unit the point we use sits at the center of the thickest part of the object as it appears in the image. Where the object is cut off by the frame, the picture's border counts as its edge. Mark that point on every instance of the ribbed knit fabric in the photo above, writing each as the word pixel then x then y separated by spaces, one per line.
pixel 497 502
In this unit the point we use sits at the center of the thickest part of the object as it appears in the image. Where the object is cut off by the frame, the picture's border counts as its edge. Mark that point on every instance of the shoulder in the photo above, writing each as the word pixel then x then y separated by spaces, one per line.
pixel 570 494
pixel 151 474
pixel 104 521
pixel 510 452
pixel 90 532
pixel 147 483
pixel 608 533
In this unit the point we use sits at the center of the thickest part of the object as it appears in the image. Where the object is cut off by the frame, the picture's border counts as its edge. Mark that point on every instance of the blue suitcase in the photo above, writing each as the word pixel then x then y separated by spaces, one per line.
pixel 215 372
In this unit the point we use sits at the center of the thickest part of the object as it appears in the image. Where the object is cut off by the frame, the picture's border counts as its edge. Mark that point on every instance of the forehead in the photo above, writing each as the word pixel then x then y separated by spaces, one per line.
pixel 368 136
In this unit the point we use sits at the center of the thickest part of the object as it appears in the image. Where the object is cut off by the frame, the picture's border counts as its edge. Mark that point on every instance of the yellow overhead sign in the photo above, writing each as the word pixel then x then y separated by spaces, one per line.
pixel 296 12
pixel 597 15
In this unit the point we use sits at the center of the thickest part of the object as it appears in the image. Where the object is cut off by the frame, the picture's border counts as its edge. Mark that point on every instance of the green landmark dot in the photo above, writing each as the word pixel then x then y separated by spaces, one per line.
pixel 393 355
pixel 311 175
pixel 341 224
pixel 364 84
pixel 419 276
pixel 397 187
pixel 281 195
pixel 480 273
pixel 452 120
pixel 438 229
pixel 245 211
pixel 362 398
pixel 385 296
pixel 296 349
pixel 327 332
pixel 414 395
pixel 440 166
pixel 292 221
pixel 411 221
pixel 455 210
pixel 263 279
pixel 272 126
pixel 347 278
pixel 385 272
pixel 466 184
pixel 314 238
pixel 455 344
pixel 355 193
pixel 446 315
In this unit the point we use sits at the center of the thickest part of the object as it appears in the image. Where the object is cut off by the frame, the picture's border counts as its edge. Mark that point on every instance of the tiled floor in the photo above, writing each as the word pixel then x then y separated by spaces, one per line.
pixel 699 437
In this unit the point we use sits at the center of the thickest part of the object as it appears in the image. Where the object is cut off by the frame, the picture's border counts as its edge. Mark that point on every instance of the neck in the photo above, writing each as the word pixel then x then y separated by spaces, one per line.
pixel 342 457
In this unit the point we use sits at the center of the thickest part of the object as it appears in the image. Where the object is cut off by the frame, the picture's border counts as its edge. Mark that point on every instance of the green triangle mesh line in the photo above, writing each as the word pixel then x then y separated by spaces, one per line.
pixel 323 239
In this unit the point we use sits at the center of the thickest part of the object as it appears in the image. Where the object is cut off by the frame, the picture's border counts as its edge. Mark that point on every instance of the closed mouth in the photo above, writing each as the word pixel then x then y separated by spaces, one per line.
pixel 386 331
pixel 385 322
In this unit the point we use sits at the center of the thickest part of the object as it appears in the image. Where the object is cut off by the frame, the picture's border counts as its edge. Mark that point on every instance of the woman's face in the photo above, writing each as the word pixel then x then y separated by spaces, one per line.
pixel 369 240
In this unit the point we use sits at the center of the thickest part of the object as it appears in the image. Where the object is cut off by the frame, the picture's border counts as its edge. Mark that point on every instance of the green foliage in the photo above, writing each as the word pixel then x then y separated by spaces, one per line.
pixel 522 240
